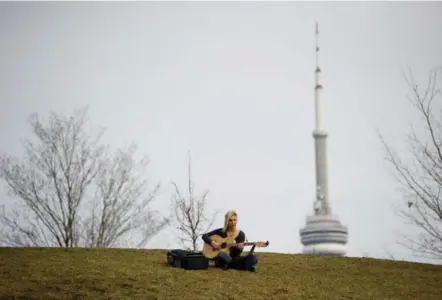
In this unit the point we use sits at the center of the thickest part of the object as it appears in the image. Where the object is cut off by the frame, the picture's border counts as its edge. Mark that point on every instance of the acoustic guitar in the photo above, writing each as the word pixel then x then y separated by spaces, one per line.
pixel 225 245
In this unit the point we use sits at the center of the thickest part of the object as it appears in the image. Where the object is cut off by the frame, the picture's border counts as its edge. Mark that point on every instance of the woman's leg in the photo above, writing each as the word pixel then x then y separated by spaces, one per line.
pixel 251 262
pixel 223 260
pixel 247 262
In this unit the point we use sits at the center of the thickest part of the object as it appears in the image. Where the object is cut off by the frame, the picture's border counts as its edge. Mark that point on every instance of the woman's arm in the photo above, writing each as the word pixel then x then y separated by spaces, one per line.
pixel 241 238
pixel 206 236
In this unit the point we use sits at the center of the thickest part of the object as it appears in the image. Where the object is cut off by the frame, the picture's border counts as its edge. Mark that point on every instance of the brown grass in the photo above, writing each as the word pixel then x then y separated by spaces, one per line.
pixel 54 273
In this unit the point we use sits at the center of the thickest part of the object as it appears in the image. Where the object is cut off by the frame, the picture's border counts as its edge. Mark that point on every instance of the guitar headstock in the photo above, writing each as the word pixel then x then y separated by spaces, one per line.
pixel 262 244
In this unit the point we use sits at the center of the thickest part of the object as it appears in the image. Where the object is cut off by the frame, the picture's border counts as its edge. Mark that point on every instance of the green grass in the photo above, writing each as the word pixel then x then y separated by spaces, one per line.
pixel 54 273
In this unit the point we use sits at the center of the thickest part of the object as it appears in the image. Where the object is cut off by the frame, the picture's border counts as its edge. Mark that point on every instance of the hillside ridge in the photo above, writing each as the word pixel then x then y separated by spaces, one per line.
pixel 79 273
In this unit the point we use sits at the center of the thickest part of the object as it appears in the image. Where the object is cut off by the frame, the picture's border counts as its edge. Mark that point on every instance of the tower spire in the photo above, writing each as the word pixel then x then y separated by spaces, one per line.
pixel 317 45
pixel 318 85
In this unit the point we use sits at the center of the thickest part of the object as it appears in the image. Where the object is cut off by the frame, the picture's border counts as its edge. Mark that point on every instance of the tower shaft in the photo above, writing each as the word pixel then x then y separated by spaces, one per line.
pixel 320 137
pixel 321 173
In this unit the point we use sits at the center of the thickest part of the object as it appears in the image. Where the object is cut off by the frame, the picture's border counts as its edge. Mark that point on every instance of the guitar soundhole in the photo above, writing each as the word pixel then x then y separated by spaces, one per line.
pixel 223 245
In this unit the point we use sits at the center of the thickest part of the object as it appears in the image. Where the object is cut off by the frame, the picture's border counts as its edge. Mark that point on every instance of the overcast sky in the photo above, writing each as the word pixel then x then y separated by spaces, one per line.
pixel 233 83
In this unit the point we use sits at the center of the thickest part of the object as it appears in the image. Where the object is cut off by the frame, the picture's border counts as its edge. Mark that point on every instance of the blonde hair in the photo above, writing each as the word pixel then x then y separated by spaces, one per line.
pixel 227 216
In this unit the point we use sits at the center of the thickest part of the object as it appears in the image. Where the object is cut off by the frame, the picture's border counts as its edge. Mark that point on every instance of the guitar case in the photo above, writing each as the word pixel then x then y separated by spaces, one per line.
pixel 187 260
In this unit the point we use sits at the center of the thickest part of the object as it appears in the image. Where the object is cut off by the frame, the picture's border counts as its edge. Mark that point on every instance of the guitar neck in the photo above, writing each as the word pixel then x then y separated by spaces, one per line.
pixel 245 244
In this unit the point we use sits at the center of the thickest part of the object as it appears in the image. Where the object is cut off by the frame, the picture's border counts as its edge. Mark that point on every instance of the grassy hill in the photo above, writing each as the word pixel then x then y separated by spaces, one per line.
pixel 53 273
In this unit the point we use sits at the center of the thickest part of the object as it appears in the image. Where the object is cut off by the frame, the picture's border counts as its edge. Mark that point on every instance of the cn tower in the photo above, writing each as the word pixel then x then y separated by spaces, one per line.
pixel 323 233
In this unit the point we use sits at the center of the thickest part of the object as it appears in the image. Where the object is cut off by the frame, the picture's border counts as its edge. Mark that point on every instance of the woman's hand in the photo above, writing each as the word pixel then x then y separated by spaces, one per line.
pixel 240 245
pixel 215 245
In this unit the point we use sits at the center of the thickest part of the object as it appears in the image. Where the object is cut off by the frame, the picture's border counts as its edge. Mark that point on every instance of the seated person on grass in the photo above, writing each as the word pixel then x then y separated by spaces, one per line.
pixel 234 260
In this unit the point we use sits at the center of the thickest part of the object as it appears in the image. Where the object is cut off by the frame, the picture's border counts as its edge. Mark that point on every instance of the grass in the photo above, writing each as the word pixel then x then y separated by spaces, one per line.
pixel 54 273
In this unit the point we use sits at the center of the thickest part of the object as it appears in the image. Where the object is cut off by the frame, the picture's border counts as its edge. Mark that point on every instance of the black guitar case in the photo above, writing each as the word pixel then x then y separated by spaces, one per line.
pixel 187 260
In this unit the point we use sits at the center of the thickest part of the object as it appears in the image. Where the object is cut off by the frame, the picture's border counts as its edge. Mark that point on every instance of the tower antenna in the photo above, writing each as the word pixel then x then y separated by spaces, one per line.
pixel 317 46
pixel 318 85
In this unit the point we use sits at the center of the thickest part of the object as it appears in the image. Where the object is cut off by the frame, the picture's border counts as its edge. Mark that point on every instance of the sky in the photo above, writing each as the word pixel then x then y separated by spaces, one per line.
pixel 232 82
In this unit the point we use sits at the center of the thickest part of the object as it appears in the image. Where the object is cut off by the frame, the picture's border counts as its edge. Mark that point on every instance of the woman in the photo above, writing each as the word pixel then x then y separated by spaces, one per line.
pixel 234 260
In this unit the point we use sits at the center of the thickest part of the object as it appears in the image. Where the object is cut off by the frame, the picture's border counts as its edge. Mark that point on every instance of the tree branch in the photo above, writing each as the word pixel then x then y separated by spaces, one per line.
pixel 190 215
pixel 75 192
pixel 420 179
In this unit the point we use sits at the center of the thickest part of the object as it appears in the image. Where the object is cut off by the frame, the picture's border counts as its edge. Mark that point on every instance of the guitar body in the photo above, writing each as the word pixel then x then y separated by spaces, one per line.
pixel 224 243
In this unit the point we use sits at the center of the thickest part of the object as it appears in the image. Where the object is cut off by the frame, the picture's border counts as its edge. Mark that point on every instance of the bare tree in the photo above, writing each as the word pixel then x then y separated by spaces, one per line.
pixel 420 176
pixel 190 214
pixel 388 254
pixel 73 191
